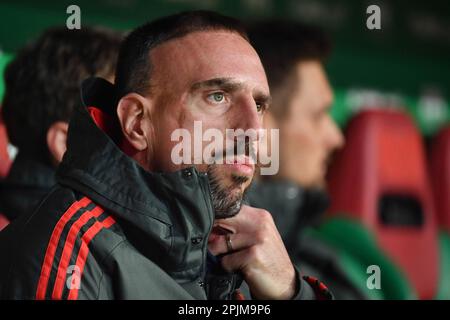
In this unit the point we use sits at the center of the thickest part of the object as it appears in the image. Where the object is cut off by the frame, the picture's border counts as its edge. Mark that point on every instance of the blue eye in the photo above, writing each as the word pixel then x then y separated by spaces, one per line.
pixel 261 107
pixel 217 97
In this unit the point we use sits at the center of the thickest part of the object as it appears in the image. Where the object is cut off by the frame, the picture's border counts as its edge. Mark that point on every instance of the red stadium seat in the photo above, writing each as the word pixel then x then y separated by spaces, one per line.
pixel 380 179
pixel 440 177
pixel 5 161
pixel 3 222
pixel 5 164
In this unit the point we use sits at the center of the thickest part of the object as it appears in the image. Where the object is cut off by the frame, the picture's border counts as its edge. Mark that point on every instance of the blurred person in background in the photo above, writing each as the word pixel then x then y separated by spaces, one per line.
pixel 293 56
pixel 42 90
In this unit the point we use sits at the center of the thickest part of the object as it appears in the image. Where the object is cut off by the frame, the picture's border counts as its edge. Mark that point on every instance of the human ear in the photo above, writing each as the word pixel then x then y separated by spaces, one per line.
pixel 133 111
pixel 56 140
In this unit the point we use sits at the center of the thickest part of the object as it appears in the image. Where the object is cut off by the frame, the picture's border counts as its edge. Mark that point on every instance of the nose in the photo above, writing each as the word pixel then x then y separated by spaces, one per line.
pixel 248 118
pixel 336 139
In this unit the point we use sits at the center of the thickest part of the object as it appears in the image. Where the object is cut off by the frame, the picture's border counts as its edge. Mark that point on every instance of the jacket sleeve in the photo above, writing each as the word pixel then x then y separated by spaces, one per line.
pixel 310 288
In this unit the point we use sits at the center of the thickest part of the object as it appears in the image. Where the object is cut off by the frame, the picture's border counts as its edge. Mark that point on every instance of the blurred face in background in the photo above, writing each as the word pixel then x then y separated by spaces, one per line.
pixel 308 134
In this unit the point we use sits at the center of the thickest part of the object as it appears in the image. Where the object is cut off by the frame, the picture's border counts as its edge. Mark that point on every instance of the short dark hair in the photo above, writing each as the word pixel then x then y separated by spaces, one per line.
pixel 281 45
pixel 133 70
pixel 42 82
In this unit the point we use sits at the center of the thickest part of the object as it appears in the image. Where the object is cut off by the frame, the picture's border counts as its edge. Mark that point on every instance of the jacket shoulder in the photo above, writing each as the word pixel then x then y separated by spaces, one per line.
pixel 45 253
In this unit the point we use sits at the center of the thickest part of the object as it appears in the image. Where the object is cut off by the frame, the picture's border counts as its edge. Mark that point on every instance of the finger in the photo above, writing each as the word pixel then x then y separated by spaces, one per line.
pixel 218 245
pixel 235 261
pixel 265 280
pixel 246 221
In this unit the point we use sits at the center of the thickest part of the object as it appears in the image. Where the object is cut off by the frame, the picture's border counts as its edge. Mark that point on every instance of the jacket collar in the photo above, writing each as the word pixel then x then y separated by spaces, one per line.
pixel 166 216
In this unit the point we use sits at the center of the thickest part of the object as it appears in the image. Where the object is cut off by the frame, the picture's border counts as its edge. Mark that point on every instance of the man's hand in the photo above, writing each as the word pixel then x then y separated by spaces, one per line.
pixel 258 253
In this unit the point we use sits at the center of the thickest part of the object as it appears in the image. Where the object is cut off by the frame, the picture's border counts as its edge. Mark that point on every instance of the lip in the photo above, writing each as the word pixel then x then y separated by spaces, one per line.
pixel 242 166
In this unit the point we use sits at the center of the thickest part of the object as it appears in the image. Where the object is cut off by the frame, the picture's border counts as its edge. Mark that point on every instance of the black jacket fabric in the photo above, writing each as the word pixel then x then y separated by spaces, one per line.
pixel 111 230
pixel 294 210
pixel 29 180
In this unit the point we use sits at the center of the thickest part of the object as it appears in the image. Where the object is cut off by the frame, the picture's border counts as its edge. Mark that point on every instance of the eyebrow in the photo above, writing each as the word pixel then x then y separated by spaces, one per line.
pixel 263 98
pixel 229 85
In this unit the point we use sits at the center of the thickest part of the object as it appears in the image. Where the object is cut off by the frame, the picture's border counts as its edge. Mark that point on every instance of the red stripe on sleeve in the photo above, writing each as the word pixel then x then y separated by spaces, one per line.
pixel 84 249
pixel 68 249
pixel 53 244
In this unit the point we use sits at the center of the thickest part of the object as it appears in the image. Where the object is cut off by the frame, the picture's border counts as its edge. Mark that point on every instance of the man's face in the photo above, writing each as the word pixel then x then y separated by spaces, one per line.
pixel 308 134
pixel 214 77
